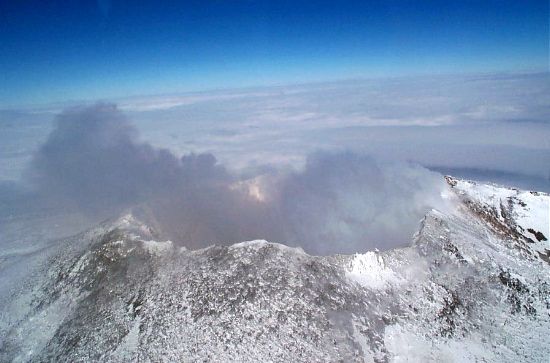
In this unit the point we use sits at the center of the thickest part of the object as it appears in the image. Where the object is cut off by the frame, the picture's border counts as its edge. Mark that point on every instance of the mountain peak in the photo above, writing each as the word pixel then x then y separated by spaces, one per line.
pixel 469 287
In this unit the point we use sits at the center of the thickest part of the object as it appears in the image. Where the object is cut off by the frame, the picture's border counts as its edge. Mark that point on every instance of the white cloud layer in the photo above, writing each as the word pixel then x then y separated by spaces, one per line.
pixel 489 127
pixel 498 122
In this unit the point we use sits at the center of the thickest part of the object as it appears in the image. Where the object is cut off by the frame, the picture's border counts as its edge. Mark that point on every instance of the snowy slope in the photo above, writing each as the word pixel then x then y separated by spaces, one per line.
pixel 521 213
pixel 473 285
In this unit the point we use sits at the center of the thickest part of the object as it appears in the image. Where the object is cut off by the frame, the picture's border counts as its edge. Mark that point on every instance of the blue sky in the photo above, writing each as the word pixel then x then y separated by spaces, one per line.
pixel 55 51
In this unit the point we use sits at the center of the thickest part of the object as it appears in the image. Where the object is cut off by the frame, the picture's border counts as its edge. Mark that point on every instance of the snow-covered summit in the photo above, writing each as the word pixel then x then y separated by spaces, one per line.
pixel 472 286
pixel 523 214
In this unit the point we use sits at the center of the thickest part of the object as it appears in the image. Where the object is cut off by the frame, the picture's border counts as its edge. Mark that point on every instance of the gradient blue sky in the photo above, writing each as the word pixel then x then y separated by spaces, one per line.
pixel 54 51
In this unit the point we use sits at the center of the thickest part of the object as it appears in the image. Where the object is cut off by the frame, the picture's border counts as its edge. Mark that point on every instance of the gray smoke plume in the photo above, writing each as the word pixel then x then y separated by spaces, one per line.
pixel 94 163
pixel 352 203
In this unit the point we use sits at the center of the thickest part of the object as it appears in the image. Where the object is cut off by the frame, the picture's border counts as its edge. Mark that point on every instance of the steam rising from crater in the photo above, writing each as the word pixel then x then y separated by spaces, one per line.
pixel 94 163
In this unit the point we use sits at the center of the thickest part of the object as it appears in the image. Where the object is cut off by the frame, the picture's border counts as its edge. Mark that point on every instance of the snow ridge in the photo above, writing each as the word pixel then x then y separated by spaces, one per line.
pixel 472 286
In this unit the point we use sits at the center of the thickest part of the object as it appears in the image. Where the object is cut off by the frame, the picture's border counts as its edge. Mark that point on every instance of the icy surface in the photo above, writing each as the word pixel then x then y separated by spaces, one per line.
pixel 472 286
pixel 523 213
pixel 369 270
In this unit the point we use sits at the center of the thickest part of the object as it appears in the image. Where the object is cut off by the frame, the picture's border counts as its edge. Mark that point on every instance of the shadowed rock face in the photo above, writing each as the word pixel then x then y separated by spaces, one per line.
pixel 461 290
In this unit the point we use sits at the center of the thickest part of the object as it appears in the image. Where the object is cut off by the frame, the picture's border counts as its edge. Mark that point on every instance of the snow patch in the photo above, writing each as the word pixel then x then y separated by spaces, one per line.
pixel 259 243
pixel 369 270
pixel 405 345
pixel 157 248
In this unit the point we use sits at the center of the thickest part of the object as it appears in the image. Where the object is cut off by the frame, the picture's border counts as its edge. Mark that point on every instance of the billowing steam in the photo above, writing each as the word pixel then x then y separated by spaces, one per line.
pixel 339 203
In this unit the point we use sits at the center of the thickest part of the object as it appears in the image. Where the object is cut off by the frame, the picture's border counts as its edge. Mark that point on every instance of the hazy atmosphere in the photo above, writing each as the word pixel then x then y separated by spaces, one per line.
pixel 157 112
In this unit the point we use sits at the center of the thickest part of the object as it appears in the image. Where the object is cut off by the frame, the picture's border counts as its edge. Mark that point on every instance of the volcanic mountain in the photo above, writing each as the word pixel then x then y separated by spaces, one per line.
pixel 473 285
